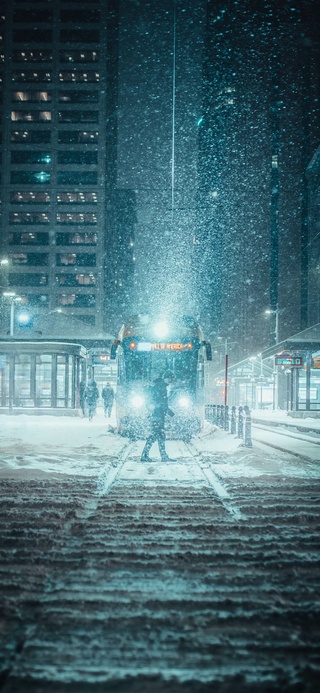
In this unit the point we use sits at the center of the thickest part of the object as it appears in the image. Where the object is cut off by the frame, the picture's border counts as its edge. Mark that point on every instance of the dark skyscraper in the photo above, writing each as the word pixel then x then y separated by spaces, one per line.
pixel 258 133
pixel 60 207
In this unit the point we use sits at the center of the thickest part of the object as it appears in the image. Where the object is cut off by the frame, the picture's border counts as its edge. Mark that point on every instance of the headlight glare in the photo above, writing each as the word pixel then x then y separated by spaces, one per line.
pixel 184 402
pixel 137 401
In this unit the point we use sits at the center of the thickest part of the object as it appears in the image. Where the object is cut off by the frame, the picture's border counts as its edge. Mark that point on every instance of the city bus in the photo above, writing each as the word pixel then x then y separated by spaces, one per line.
pixel 145 348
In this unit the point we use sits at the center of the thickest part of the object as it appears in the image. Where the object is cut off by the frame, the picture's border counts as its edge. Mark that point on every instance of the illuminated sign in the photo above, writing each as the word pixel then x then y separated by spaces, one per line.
pixel 291 361
pixel 168 346
pixel 100 358
pixel 161 346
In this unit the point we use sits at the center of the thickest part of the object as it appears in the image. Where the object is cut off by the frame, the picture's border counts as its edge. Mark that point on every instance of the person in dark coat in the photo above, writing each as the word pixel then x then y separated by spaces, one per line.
pixel 158 410
pixel 91 395
pixel 107 395
pixel 82 387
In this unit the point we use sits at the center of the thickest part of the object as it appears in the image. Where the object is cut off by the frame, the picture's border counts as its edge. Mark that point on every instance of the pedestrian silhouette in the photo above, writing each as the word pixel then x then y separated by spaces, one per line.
pixel 158 409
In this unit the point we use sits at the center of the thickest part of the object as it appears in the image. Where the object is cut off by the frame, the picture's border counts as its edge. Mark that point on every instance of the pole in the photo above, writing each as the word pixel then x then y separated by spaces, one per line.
pixel 277 368
pixel 11 317
pixel 277 324
pixel 173 110
pixel 226 382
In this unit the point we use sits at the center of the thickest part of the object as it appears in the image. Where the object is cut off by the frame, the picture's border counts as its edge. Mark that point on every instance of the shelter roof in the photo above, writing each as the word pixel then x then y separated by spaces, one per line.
pixel 58 326
pixel 307 340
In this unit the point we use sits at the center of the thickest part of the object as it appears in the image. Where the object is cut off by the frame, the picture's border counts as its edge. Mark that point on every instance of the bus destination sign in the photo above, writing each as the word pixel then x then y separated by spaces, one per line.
pixel 163 346
pixel 168 346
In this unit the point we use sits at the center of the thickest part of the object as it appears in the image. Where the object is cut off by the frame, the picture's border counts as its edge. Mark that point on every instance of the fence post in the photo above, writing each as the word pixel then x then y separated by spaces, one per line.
pixel 247 428
pixel 240 423
pixel 226 418
pixel 214 413
pixel 233 428
pixel 208 412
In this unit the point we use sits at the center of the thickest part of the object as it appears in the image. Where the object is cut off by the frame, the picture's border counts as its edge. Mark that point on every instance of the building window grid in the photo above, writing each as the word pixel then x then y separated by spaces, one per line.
pixel 76 238
pixel 76 218
pixel 30 136
pixel 29 197
pixel 29 218
pixel 75 198
pixel 78 279
pixel 85 56
pixel 31 116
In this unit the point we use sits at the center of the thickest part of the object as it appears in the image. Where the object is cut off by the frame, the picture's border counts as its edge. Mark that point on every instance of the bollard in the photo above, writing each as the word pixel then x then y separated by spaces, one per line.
pixel 226 418
pixel 208 412
pixel 218 415
pixel 247 428
pixel 222 415
pixel 240 423
pixel 233 426
pixel 214 413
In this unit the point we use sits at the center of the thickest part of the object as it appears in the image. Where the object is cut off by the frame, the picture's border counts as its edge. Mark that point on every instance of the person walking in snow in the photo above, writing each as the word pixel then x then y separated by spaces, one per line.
pixel 158 410
pixel 107 395
pixel 82 387
pixel 91 395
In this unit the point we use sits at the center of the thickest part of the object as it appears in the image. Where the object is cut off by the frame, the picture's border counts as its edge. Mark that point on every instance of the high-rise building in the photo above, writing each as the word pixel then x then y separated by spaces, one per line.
pixel 60 208
pixel 258 132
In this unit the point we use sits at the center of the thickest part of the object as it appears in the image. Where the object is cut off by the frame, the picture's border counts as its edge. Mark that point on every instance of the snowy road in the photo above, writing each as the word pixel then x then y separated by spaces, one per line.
pixel 122 576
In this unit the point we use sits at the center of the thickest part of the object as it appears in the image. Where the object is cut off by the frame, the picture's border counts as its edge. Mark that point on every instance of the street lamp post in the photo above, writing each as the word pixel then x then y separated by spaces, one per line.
pixel 11 295
pixel 275 312
pixel 227 346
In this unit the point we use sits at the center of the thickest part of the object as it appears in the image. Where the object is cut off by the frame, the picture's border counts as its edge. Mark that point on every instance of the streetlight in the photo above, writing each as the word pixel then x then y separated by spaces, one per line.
pixel 4 267
pixel 227 346
pixel 275 312
pixel 11 295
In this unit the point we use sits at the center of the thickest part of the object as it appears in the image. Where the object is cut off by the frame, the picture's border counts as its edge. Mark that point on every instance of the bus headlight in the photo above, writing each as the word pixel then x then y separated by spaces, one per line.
pixel 137 401
pixel 161 329
pixel 184 402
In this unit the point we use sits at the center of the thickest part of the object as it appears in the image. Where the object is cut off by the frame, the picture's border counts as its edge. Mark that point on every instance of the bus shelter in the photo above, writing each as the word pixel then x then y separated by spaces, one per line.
pixel 284 376
pixel 41 376
pixel 297 370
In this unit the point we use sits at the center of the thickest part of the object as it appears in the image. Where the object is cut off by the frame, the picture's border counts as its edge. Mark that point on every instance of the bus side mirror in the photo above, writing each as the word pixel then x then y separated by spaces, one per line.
pixel 113 350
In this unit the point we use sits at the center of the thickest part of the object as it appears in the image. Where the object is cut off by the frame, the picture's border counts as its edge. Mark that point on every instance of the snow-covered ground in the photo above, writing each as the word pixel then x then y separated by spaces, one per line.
pixel 50 445
pixel 192 576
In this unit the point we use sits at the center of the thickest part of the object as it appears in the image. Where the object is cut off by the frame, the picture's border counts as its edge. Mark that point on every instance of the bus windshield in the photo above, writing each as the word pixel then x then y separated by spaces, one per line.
pixel 147 366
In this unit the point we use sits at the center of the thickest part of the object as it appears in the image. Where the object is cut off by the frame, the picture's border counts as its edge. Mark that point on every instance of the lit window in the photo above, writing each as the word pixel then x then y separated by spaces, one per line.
pixel 77 198
pixel 28 218
pixel 31 116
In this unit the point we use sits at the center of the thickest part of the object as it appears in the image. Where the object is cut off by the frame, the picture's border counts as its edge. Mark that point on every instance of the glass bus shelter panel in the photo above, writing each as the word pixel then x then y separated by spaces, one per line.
pixel 23 395
pixel 4 381
pixel 314 390
pixel 71 382
pixel 61 380
pixel 40 380
pixel 43 380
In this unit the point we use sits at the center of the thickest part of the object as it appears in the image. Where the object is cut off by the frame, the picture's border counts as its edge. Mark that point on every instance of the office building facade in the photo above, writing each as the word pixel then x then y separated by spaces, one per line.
pixel 59 225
